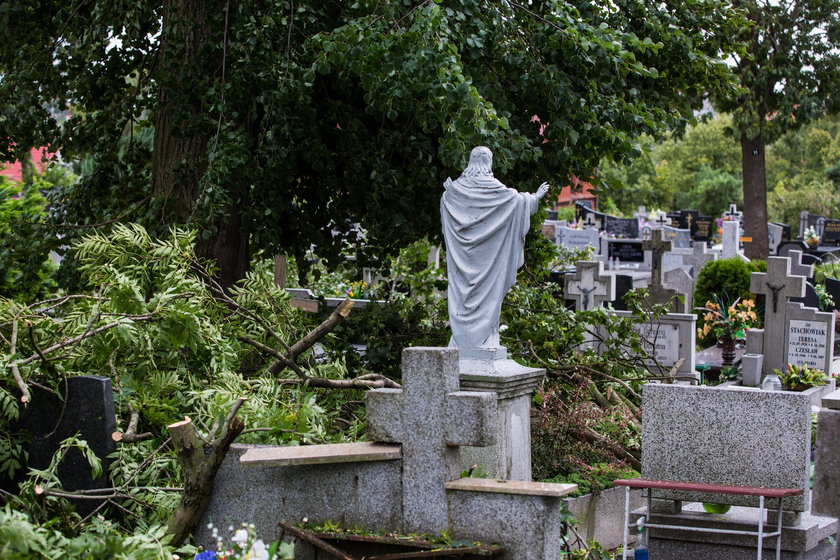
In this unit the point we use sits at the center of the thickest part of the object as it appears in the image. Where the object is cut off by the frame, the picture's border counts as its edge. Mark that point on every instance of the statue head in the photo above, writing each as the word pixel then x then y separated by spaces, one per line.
pixel 481 163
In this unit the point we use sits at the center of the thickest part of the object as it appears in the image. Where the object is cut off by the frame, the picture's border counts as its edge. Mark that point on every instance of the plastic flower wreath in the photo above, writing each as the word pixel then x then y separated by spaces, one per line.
pixel 811 236
pixel 728 321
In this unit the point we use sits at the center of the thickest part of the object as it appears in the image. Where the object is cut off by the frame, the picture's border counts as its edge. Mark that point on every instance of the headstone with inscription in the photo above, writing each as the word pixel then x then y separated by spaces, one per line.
pixel 774 237
pixel 572 238
pixel 625 228
pixel 704 228
pixel 588 217
pixel 625 250
pixel 831 232
pixel 679 238
pixel 666 340
pixel 809 337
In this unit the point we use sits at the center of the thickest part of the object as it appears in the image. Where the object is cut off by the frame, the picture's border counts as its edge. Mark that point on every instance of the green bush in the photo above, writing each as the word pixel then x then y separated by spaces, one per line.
pixel 595 478
pixel 728 279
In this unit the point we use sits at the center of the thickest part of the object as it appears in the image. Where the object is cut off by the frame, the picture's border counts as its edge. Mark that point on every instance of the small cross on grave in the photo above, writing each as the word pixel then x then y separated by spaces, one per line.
pixel 689 219
pixel 662 220
pixel 778 286
pixel 641 213
pixel 733 214
pixel 657 293
pixel 698 259
pixel 590 286
pixel 430 417
pixel 591 222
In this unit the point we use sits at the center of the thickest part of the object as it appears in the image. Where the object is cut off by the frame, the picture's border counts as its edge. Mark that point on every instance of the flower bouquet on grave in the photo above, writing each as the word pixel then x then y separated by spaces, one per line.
pixel 729 323
pixel 244 544
pixel 812 238
pixel 801 378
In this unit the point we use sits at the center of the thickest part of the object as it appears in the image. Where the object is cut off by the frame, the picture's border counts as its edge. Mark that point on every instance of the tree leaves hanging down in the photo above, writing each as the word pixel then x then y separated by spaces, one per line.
pixel 290 121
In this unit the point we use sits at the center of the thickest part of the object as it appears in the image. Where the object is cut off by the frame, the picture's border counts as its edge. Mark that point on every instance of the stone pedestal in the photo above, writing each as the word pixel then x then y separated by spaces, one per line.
pixel 826 497
pixel 514 385
pixel 809 539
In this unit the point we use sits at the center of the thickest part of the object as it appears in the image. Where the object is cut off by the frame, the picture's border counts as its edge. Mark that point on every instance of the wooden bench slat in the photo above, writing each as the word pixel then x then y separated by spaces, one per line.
pixel 710 488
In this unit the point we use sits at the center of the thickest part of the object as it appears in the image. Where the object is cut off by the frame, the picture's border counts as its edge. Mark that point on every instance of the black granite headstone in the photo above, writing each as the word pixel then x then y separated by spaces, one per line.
pixel 704 228
pixel 627 228
pixel 87 410
pixel 832 287
pixel 625 250
pixel 623 284
pixel 831 232
pixel 811 298
pixel 552 215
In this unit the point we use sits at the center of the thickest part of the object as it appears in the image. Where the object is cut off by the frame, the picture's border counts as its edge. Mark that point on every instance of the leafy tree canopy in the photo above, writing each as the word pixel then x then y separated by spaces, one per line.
pixel 290 121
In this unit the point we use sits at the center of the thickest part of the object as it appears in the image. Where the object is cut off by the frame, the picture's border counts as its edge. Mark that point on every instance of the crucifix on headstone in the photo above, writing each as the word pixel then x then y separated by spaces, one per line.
pixel 657 292
pixel 778 286
pixel 689 219
pixel 430 417
pixel 733 214
pixel 590 287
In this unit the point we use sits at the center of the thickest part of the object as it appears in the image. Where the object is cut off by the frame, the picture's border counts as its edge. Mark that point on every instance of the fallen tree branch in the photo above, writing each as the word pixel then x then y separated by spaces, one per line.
pixel 130 434
pixel 25 395
pixel 200 461
pixel 310 538
pixel 369 381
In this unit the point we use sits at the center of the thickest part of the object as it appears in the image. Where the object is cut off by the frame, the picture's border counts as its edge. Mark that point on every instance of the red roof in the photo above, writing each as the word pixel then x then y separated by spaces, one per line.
pixel 14 171
pixel 567 197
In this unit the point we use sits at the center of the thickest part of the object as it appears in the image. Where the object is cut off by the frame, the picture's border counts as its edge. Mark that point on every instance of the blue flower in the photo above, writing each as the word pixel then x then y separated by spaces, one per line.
pixel 206 555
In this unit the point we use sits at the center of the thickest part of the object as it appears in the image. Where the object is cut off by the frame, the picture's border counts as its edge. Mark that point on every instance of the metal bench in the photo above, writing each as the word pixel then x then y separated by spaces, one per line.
pixel 760 492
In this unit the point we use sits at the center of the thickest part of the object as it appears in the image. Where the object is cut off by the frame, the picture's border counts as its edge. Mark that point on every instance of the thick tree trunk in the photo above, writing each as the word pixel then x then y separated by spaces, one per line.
pixel 181 141
pixel 755 197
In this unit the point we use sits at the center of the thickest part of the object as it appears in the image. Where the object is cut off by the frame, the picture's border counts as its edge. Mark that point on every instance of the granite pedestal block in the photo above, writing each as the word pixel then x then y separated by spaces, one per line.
pixel 513 385
pixel 810 539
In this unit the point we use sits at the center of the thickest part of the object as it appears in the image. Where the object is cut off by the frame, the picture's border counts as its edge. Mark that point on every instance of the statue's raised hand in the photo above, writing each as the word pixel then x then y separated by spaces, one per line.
pixel 542 190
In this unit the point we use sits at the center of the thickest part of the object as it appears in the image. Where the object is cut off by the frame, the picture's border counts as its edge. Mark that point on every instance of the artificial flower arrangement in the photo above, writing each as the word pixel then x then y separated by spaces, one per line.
pixel 728 321
pixel 811 236
pixel 244 545
pixel 801 377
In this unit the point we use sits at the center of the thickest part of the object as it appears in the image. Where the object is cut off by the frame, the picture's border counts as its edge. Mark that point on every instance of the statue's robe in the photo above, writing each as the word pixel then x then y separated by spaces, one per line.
pixel 484 225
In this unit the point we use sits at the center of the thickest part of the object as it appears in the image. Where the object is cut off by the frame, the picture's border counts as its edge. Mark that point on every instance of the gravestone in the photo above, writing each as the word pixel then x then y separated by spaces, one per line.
pixel 666 339
pixel 704 228
pixel 832 287
pixel 698 258
pixel 810 299
pixel 549 230
pixel 778 286
pixel 640 214
pixel 774 237
pixel 590 287
pixel 786 231
pixel 625 250
pixel 808 220
pixel 576 239
pixel 679 238
pixel 681 282
pixel 87 410
pixel 831 232
pixel 589 217
pixel 809 337
pixel 798 267
pixel 660 220
pixel 431 417
pixel 731 235
pixel 657 293
pixel 625 228
pixel 623 284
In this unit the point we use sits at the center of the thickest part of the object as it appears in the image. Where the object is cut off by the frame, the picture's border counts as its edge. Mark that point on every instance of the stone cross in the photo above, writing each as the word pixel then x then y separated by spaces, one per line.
pixel 590 286
pixel 430 417
pixel 662 220
pixel 658 247
pixel 657 292
pixel 641 213
pixel 698 259
pixel 797 267
pixel 733 214
pixel 778 286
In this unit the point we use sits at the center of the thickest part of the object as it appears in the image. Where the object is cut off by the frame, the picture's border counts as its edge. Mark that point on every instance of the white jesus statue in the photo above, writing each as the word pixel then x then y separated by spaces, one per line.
pixel 484 226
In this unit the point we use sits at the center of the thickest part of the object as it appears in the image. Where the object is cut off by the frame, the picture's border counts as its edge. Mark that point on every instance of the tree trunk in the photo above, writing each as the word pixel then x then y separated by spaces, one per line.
pixel 181 141
pixel 755 197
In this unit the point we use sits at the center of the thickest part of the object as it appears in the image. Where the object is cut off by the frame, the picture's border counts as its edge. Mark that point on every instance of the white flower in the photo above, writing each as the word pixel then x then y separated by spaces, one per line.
pixel 259 550
pixel 240 537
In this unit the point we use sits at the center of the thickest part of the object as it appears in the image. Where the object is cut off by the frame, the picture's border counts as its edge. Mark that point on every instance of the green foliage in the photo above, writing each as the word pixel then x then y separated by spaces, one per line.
pixel 25 267
pixel 595 478
pixel 726 279
pixel 794 376
pixel 310 116
pixel 712 192
pixel 827 268
pixel 22 539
